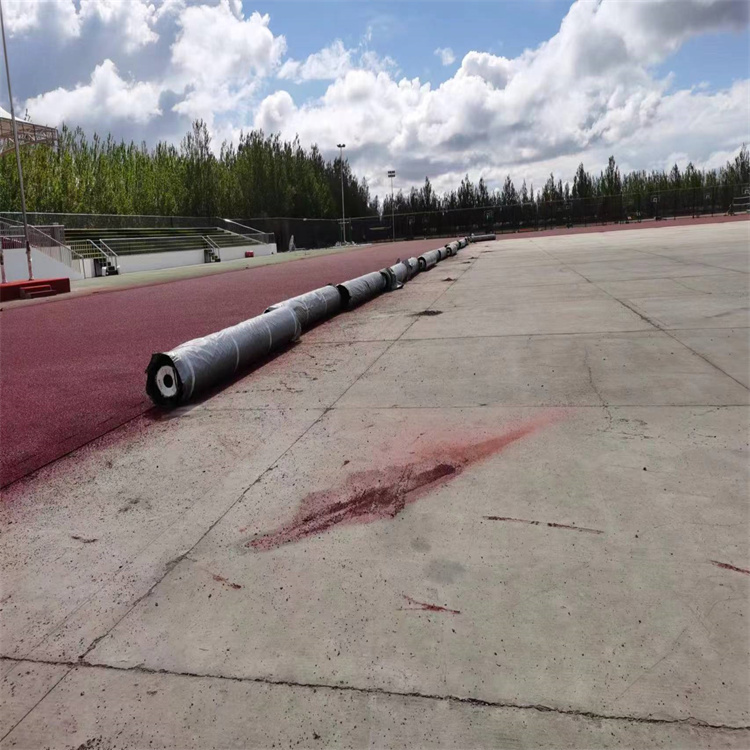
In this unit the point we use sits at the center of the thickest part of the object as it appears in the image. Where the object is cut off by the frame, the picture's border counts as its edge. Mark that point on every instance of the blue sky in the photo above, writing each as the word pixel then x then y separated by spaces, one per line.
pixel 529 87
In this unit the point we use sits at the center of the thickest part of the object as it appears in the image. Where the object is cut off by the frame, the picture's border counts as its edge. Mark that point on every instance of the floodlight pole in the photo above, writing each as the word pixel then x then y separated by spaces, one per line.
pixel 341 147
pixel 18 152
pixel 392 174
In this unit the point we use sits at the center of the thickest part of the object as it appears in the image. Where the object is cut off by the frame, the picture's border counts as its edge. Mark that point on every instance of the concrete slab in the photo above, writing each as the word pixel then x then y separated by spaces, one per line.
pixel 206 713
pixel 129 505
pixel 727 348
pixel 618 368
pixel 531 538
pixel 334 607
pixel 704 311
pixel 516 318
pixel 23 686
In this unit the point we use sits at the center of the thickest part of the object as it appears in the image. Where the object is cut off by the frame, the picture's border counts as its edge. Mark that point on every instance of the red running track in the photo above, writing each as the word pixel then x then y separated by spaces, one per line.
pixel 73 369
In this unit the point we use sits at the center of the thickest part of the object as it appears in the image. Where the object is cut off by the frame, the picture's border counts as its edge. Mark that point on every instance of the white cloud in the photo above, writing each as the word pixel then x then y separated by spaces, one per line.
pixel 106 97
pixel 333 62
pixel 446 55
pixel 330 63
pixel 23 16
pixel 219 57
pixel 133 19
pixel 587 92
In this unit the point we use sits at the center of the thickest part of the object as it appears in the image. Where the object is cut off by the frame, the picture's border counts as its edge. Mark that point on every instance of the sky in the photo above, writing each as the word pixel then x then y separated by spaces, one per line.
pixel 431 89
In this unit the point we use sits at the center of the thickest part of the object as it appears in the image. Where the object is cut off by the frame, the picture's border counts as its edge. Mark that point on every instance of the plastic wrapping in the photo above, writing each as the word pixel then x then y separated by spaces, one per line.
pixel 193 367
pixel 428 259
pixel 356 291
pixel 453 247
pixel 399 275
pixel 482 237
pixel 462 243
pixel 314 306
pixel 412 265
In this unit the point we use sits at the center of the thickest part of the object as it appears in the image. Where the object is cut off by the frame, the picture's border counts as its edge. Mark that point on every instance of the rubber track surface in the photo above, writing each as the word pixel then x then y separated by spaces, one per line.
pixel 73 369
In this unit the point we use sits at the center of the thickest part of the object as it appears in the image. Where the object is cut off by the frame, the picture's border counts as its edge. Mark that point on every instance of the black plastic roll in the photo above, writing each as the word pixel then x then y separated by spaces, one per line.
pixel 413 265
pixel 482 237
pixel 314 306
pixel 176 376
pixel 399 275
pixel 363 288
pixel 453 247
pixel 428 259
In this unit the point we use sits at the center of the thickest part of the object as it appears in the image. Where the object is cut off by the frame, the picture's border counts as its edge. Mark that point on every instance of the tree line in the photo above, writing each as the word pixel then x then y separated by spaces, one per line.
pixel 637 185
pixel 263 176
pixel 260 176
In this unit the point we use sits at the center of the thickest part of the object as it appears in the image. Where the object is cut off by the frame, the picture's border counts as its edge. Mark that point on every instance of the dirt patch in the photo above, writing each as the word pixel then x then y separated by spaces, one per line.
pixel 426 314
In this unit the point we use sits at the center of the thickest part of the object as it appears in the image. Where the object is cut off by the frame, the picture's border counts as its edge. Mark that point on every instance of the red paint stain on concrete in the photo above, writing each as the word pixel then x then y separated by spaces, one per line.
pixel 221 579
pixel 727 566
pixel 545 523
pixel 423 606
pixel 377 494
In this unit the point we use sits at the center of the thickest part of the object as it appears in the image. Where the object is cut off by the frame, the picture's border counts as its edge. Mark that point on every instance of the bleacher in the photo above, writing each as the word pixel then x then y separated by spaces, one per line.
pixel 129 241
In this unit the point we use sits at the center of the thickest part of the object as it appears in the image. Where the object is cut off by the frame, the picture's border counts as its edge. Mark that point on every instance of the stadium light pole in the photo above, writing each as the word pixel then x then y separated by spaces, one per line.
pixel 18 150
pixel 392 174
pixel 341 147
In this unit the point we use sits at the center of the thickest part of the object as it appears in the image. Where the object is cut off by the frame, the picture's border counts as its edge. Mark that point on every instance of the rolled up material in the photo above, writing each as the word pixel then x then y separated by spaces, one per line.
pixel 193 367
pixel 363 288
pixel 428 259
pixel 453 247
pixel 398 275
pixel 482 237
pixel 413 265
pixel 462 243
pixel 314 306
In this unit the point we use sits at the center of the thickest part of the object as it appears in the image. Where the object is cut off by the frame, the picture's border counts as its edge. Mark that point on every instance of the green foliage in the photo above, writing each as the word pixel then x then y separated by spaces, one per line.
pixel 262 176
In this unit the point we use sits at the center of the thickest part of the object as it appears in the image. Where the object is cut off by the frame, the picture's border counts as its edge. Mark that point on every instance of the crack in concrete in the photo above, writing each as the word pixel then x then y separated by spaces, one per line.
pixel 646 319
pixel 540 707
pixel 595 388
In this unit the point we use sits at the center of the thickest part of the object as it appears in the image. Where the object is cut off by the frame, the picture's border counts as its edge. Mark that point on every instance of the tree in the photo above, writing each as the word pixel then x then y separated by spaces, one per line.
pixel 508 197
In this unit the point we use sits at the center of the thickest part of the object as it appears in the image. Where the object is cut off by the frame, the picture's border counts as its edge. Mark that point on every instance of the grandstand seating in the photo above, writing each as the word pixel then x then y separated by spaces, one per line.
pixel 130 241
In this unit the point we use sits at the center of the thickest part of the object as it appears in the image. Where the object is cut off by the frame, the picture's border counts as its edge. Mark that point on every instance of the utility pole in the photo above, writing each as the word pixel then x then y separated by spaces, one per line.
pixel 18 151
pixel 392 174
pixel 341 147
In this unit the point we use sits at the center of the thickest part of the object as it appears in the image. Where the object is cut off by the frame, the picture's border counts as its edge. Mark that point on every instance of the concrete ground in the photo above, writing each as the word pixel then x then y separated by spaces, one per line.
pixel 517 520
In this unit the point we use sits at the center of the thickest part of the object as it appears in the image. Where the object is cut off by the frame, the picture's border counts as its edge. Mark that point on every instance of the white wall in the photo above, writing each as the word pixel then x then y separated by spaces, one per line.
pixel 43 266
pixel 234 253
pixel 176 258
pixel 46 267
pixel 154 261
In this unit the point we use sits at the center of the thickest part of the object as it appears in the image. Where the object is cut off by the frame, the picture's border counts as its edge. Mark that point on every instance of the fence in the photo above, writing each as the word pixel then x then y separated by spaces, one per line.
pixel 629 207
pixel 12 235
pixel 649 205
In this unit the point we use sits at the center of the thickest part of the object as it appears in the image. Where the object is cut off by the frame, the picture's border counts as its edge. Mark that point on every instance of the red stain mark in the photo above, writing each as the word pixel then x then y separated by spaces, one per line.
pixel 423 606
pixel 377 494
pixel 727 566
pixel 221 579
pixel 545 523
pixel 243 529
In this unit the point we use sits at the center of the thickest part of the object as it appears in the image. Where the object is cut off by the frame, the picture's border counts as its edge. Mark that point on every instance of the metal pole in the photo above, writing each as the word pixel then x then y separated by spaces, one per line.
pixel 392 174
pixel 341 147
pixel 18 151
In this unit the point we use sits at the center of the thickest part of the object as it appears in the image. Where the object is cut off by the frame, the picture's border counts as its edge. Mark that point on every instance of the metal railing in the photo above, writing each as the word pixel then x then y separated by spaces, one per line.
pixel 256 236
pixel 12 232
pixel 211 243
